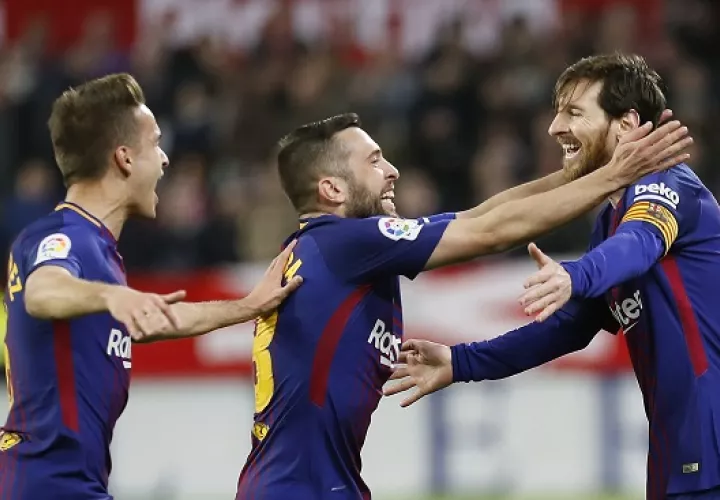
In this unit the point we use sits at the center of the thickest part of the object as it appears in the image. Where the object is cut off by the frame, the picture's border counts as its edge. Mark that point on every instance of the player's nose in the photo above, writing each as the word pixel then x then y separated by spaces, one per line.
pixel 165 160
pixel 391 172
pixel 558 126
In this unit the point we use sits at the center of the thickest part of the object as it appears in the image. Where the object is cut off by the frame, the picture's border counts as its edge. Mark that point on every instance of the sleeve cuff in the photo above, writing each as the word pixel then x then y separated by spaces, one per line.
pixel 460 364
pixel 574 269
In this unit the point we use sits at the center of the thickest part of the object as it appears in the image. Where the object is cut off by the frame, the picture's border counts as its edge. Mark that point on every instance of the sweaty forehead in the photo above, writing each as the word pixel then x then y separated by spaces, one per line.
pixel 581 93
pixel 357 141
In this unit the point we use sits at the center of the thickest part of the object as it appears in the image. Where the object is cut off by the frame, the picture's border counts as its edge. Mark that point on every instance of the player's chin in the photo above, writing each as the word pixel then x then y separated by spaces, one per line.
pixel 388 208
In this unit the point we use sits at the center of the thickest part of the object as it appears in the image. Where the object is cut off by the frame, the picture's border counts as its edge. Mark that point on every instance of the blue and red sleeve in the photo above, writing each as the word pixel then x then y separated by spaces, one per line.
pixel 570 329
pixel 659 208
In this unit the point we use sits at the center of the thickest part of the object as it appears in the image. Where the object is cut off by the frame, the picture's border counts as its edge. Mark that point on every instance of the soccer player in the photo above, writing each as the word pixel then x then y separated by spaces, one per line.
pixel 321 359
pixel 651 273
pixel 71 317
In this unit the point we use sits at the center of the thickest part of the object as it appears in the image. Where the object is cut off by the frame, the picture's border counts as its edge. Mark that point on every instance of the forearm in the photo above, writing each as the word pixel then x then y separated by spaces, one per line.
pixel 518 221
pixel 53 294
pixel 624 256
pixel 519 350
pixel 198 318
pixel 542 185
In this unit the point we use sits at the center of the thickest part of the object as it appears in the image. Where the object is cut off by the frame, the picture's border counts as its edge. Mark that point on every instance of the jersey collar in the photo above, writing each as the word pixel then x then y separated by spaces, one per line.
pixel 89 218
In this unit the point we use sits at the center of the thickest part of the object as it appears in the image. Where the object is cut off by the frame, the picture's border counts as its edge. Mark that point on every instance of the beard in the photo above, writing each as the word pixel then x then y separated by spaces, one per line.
pixel 593 155
pixel 362 202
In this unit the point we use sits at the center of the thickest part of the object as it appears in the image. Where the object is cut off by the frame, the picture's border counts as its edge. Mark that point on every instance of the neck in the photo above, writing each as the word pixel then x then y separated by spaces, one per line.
pixel 319 211
pixel 101 202
pixel 615 197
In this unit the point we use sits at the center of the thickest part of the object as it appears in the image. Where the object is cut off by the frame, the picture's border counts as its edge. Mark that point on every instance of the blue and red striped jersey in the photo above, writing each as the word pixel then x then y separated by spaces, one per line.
pixel 321 360
pixel 67 380
pixel 670 318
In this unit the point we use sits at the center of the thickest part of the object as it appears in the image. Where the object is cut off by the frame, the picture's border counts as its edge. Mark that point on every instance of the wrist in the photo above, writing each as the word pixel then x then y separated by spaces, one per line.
pixel 247 308
pixel 577 284
pixel 105 294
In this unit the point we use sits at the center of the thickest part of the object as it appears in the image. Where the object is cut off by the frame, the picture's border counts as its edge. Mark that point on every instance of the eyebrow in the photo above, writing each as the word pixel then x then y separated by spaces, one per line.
pixel 375 152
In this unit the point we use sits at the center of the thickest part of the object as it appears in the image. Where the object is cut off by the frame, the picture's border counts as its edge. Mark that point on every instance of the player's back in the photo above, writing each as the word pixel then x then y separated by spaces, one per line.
pixel 671 320
pixel 322 359
pixel 67 380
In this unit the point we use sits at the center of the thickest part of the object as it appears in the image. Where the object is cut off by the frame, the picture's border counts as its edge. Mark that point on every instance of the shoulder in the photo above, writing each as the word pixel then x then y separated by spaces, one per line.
pixel 673 187
pixel 52 237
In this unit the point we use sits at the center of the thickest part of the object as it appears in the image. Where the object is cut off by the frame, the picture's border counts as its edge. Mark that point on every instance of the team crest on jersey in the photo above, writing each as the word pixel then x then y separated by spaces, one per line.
pixel 399 229
pixel 9 439
pixel 260 430
pixel 55 246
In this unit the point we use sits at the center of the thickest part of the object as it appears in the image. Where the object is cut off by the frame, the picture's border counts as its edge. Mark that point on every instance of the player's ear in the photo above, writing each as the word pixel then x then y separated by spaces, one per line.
pixel 332 189
pixel 122 160
pixel 629 121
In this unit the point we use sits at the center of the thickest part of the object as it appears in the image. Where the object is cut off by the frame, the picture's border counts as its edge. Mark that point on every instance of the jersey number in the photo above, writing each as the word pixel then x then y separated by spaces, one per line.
pixel 14 284
pixel 262 360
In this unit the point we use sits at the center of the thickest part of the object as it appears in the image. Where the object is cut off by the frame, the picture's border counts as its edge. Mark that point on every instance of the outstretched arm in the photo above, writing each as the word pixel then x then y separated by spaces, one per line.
pixel 517 221
pixel 430 366
pixel 542 185
pixel 198 318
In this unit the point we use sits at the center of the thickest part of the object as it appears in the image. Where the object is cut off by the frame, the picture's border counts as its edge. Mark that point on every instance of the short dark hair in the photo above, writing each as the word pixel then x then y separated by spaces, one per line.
pixel 628 83
pixel 309 152
pixel 88 122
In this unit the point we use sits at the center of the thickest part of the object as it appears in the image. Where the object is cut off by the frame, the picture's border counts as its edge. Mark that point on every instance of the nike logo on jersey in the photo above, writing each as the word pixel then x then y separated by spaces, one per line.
pixel 385 342
pixel 120 346
pixel 657 192
pixel 627 312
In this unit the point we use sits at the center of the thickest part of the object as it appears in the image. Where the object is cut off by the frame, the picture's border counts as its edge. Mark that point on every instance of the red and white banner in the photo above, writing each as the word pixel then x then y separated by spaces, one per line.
pixel 466 303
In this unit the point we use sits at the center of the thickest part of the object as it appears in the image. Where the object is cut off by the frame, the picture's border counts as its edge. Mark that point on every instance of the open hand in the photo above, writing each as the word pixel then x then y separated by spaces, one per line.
pixel 643 151
pixel 548 289
pixel 143 314
pixel 428 367
pixel 270 292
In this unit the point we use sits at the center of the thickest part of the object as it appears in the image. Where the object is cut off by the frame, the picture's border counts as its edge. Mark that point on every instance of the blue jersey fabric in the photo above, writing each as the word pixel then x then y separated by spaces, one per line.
pixel 322 359
pixel 651 273
pixel 67 380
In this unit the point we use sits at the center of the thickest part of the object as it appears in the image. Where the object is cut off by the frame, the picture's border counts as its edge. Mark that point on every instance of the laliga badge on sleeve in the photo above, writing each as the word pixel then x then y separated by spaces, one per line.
pixel 55 246
pixel 399 229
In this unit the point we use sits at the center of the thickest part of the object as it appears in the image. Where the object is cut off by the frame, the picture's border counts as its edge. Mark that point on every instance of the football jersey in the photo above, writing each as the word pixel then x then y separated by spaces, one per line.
pixel 321 360
pixel 67 380
pixel 670 317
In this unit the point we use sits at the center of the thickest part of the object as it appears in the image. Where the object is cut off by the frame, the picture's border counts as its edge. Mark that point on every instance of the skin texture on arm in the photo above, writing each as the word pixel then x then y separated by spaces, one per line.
pixel 52 293
pixel 198 318
pixel 542 185
pixel 517 221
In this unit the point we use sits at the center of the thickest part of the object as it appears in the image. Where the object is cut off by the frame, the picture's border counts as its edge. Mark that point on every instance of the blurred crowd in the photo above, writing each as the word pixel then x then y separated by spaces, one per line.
pixel 461 124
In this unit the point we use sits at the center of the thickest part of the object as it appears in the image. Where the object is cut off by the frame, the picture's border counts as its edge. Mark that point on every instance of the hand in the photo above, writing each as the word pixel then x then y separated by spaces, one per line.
pixel 641 152
pixel 548 289
pixel 143 314
pixel 428 366
pixel 270 292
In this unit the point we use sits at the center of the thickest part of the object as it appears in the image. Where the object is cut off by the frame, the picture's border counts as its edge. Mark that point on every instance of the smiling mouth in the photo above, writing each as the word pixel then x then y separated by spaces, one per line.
pixel 571 150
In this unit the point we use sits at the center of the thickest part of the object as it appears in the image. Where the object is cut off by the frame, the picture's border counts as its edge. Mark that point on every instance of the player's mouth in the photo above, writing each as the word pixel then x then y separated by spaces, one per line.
pixel 388 199
pixel 571 149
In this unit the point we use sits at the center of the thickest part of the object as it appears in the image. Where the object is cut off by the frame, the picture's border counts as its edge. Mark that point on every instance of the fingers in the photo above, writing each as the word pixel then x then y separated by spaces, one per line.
pixel 402 386
pixel 540 277
pixel 636 134
pixel 538 256
pixel 665 116
pixel 413 398
pixel 172 298
pixel 132 328
pixel 292 285
pixel 399 372
pixel 408 345
pixel 548 311
pixel 671 162
pixel 542 303
pixel 663 138
pixel 673 149
pixel 537 292
pixel 403 357
pixel 282 259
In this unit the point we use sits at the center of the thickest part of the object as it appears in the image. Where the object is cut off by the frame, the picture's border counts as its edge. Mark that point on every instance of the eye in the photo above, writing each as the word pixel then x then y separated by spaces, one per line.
pixel 574 112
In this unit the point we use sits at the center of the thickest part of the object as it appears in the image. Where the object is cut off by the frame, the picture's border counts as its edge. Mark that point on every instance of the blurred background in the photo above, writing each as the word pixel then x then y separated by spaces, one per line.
pixel 457 92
